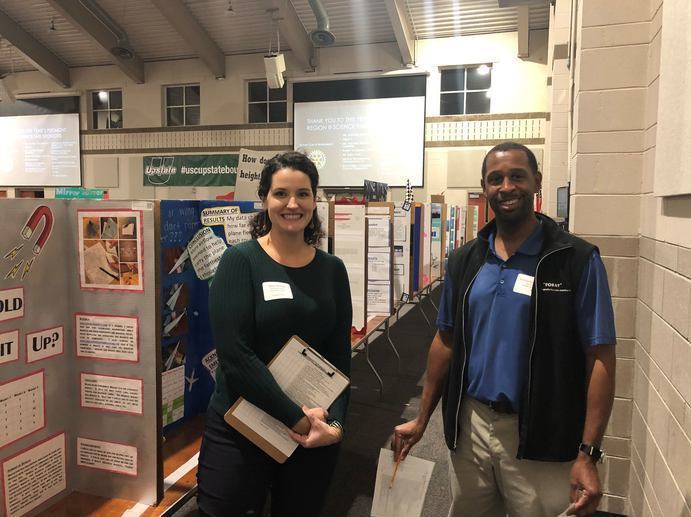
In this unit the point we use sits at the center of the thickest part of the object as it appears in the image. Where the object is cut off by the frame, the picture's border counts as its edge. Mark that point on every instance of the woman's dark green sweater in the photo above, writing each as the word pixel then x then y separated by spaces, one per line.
pixel 249 330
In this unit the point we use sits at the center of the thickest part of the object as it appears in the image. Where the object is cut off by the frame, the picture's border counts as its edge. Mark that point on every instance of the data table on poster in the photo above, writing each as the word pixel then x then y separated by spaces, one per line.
pixel 21 407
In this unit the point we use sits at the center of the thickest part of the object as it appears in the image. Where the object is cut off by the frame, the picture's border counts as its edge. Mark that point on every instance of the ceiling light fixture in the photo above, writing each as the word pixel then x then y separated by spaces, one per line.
pixel 52 25
pixel 229 9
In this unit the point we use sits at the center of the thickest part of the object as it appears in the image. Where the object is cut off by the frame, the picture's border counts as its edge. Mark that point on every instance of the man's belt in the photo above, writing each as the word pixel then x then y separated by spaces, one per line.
pixel 499 406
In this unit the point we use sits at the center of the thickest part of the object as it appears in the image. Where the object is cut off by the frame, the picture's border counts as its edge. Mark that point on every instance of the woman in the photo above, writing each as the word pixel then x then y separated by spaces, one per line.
pixel 264 291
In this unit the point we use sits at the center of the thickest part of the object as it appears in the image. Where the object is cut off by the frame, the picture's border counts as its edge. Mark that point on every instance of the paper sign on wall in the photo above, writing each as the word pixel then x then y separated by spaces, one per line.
pixel 113 457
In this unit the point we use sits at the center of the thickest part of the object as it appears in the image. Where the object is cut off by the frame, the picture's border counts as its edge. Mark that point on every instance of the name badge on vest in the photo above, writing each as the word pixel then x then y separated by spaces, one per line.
pixel 524 284
pixel 277 291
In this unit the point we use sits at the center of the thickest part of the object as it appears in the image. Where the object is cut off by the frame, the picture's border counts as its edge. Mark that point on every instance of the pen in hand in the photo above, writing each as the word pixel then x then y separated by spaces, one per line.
pixel 395 469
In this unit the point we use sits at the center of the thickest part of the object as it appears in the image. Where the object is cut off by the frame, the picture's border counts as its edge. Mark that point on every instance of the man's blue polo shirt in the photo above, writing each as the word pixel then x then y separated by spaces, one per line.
pixel 499 317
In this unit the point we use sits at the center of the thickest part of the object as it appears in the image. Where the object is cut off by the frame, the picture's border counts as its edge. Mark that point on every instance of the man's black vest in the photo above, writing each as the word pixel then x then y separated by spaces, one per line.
pixel 552 409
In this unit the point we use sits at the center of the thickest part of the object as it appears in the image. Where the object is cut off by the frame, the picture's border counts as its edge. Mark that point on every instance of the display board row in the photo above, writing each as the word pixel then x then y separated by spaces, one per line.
pixel 105 341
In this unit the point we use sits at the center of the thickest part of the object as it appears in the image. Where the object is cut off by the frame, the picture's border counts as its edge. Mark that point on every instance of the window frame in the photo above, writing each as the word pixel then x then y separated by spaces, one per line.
pixel 107 110
pixel 266 102
pixel 184 105
pixel 465 91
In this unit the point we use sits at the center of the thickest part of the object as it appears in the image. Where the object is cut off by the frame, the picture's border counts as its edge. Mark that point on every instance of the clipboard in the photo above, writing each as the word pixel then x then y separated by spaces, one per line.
pixel 288 366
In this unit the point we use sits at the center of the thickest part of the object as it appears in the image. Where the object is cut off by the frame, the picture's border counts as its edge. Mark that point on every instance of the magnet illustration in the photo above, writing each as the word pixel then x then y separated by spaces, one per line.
pixel 41 214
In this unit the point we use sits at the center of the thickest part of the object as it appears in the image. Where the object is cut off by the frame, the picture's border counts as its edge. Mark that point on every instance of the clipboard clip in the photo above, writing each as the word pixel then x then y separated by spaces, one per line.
pixel 304 353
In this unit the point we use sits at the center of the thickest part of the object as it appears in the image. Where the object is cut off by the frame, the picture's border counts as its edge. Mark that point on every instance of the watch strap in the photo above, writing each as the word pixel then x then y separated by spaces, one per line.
pixel 593 452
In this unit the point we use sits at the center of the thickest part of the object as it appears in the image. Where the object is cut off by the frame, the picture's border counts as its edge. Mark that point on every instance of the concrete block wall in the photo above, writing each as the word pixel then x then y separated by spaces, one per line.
pixel 645 242
pixel 605 163
pixel 660 474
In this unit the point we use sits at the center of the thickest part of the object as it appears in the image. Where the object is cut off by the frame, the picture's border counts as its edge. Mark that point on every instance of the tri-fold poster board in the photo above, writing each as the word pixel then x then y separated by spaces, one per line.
pixel 78 352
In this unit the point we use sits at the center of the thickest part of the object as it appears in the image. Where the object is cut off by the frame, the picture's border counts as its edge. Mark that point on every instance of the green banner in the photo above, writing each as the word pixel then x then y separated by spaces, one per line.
pixel 79 193
pixel 200 170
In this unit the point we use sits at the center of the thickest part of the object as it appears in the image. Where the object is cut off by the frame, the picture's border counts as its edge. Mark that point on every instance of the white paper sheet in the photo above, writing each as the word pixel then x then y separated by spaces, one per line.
pixel 378 266
pixel 107 337
pixel 379 231
pixel 349 246
pixel 407 495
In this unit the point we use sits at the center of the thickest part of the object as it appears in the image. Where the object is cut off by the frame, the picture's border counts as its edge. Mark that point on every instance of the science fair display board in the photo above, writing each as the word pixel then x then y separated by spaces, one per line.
pixel 417 250
pixel 438 238
pixel 78 352
pixel 427 245
pixel 401 252
pixel 380 259
pixel 194 235
pixel 350 245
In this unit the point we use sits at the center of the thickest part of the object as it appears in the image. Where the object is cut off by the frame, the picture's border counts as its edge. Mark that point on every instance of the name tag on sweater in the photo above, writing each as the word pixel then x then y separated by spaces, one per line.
pixel 277 291
pixel 524 284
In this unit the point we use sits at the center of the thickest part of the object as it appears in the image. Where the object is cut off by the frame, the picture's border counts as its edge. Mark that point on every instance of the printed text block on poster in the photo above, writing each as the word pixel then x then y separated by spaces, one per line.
pixel 108 337
pixel 34 475
pixel 108 393
pixel 113 457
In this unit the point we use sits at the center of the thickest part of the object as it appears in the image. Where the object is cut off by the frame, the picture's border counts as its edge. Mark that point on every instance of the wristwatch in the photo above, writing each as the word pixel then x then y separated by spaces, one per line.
pixel 595 454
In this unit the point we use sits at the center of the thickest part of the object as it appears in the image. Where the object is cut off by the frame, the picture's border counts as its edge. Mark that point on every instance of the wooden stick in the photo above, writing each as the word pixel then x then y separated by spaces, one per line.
pixel 395 469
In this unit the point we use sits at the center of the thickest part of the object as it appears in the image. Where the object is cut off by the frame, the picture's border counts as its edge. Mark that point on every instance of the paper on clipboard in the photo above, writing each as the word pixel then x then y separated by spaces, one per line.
pixel 407 495
pixel 307 378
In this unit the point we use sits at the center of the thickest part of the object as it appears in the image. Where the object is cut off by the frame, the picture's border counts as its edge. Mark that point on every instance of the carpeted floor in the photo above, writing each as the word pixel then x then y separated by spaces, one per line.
pixel 371 419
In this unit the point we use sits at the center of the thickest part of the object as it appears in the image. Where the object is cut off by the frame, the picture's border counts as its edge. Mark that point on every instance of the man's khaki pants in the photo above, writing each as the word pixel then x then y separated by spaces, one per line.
pixel 486 478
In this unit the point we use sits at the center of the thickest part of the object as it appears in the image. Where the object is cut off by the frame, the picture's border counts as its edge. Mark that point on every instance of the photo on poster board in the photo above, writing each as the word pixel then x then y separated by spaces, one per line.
pixel 110 250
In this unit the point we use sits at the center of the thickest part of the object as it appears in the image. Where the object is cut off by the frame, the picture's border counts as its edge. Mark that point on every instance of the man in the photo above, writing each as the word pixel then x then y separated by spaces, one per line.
pixel 523 358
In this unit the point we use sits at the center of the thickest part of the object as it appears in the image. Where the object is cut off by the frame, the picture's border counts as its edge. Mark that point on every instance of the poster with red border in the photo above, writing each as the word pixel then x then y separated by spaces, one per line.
pixel 110 249
pixel 106 337
pixel 111 393
pixel 118 458
pixel 22 407
pixel 34 475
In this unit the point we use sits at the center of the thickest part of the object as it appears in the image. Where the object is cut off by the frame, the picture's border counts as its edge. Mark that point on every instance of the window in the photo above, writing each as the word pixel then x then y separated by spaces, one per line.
pixel 266 104
pixel 465 90
pixel 106 109
pixel 182 105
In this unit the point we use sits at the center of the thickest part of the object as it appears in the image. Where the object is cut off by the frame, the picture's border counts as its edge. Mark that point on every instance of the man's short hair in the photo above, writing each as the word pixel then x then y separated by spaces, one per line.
pixel 511 146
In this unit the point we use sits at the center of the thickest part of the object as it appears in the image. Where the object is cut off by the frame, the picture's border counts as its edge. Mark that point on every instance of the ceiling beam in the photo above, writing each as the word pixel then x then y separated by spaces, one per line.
pixel 292 31
pixel 523 31
pixel 34 52
pixel 83 19
pixel 403 32
pixel 180 17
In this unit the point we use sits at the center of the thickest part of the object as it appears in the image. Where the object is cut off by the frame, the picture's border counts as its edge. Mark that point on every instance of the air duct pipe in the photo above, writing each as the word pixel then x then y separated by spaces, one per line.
pixel 122 48
pixel 322 36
